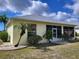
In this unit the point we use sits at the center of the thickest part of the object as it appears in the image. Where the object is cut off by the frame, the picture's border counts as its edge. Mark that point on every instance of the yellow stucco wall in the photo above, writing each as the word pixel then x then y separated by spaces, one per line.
pixel 41 29
pixel 16 34
pixel 10 33
pixel 24 39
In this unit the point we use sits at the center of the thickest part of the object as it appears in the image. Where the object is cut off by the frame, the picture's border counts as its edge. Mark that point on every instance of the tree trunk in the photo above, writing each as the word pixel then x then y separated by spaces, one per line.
pixel 4 27
pixel 18 42
pixel 22 33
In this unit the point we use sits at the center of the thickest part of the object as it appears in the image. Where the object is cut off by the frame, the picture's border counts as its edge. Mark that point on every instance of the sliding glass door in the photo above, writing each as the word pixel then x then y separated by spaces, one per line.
pixel 54 32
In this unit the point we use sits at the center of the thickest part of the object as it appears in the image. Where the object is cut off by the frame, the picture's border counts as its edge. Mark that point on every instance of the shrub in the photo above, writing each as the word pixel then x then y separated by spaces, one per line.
pixel 77 34
pixel 33 40
pixel 4 36
pixel 48 35
pixel 1 42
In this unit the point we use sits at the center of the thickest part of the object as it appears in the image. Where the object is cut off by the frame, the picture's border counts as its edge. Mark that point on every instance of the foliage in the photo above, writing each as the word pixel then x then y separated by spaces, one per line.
pixel 77 34
pixel 1 42
pixel 4 36
pixel 21 25
pixel 48 34
pixel 23 28
pixel 3 18
pixel 33 40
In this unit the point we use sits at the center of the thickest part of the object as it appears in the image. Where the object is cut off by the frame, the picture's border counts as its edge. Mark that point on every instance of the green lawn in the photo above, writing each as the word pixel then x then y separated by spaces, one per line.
pixel 67 51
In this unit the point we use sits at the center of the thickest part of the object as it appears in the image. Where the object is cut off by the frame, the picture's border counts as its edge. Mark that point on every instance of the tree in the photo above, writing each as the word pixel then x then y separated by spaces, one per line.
pixel 23 28
pixel 48 35
pixel 3 19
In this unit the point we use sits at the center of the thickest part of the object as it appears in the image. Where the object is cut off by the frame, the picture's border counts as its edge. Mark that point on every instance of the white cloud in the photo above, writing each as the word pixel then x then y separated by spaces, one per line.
pixel 48 14
pixel 24 6
pixel 36 7
pixel 2 5
pixel 75 15
pixel 74 7
pixel 60 16
pixel 17 5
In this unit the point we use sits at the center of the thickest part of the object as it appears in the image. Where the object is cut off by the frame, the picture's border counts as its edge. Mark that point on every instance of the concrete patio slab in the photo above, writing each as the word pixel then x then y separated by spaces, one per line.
pixel 7 46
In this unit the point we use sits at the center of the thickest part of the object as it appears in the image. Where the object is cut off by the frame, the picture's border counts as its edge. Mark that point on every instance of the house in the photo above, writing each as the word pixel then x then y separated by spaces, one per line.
pixel 77 31
pixel 39 26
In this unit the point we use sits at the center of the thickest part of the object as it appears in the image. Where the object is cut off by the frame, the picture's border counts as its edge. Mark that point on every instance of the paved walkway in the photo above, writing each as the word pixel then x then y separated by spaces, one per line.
pixel 8 46
pixel 60 42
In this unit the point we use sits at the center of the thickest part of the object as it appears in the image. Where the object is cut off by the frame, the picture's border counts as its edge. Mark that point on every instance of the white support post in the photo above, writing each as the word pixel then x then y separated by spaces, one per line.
pixel 74 33
pixel 62 30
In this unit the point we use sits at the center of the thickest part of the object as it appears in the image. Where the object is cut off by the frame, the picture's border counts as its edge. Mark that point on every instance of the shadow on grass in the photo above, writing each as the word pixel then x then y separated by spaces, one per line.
pixel 73 41
pixel 43 46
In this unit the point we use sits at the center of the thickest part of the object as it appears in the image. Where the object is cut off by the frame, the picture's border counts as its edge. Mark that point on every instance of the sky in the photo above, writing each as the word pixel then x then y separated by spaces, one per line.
pixel 60 10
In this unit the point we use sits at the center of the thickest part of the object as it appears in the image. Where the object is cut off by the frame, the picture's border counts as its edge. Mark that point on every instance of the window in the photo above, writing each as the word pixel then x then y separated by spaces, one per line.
pixel 69 31
pixel 31 29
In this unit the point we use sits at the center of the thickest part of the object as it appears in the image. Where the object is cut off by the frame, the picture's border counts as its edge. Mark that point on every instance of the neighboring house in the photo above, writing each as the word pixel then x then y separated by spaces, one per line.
pixel 39 26
pixel 77 31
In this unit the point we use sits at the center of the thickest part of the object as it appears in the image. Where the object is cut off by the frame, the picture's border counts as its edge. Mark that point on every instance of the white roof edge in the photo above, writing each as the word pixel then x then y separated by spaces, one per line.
pixel 43 19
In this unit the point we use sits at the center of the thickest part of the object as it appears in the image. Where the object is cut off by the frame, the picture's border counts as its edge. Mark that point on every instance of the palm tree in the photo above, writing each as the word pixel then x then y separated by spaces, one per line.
pixel 23 28
pixel 3 19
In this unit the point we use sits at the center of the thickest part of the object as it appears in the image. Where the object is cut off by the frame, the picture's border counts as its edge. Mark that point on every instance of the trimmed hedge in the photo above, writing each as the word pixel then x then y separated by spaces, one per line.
pixel 4 36
pixel 33 40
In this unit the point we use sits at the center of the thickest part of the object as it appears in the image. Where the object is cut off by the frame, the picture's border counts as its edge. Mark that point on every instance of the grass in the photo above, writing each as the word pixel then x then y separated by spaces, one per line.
pixel 67 51
pixel 15 54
